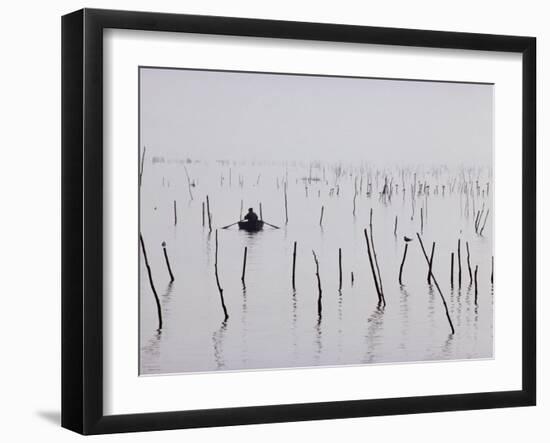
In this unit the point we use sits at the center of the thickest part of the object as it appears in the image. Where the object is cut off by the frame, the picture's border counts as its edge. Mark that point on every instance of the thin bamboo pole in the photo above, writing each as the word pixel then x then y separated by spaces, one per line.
pixel 159 311
pixel 437 286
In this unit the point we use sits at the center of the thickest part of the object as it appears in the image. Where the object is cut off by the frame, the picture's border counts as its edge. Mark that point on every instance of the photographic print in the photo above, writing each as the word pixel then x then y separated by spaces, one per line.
pixel 294 221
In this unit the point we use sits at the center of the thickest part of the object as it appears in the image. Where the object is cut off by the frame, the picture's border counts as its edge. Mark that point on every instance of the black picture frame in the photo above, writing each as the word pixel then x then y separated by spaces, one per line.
pixel 82 218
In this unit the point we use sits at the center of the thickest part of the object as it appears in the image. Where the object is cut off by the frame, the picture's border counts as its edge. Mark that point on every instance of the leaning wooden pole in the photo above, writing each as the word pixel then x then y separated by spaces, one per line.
pixel 244 264
pixel 286 203
pixel 141 166
pixel 376 258
pixel 402 264
pixel 188 182
pixel 175 214
pixel 340 269
pixel 159 311
pixel 373 270
pixel 218 279
pixel 430 264
pixel 484 221
pixel 294 267
pixel 475 285
pixel 209 214
pixel 468 261
pixel 167 261
pixel 437 286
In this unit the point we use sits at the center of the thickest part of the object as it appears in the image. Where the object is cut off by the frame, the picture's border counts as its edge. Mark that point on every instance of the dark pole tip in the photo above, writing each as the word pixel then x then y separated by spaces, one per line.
pixel 163 244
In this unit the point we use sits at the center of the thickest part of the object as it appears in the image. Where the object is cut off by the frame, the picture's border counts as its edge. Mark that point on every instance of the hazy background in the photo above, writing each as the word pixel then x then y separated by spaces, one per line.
pixel 213 114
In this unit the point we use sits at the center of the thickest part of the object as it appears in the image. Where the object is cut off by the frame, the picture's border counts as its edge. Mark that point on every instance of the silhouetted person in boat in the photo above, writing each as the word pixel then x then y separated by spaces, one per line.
pixel 251 217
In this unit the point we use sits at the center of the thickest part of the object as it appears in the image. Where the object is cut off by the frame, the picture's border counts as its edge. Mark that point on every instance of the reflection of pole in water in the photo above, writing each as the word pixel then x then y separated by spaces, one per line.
pixel 244 329
pixel 318 339
pixel 218 342
pixel 404 314
pixel 373 337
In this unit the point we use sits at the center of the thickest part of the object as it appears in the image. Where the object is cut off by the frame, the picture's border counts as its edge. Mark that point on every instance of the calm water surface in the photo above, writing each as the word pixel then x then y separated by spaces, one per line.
pixel 271 325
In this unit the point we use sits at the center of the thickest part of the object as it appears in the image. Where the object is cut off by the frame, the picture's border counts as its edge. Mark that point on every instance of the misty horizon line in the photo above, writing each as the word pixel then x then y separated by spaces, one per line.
pixel 314 162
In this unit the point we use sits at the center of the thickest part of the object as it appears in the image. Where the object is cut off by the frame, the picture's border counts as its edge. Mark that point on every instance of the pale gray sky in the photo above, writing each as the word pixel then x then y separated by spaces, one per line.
pixel 229 115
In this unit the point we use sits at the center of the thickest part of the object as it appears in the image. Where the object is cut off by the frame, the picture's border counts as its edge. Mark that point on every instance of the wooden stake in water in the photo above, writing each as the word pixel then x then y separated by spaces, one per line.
pixel 492 267
pixel 437 286
pixel 395 227
pixel 376 259
pixel 459 267
pixel 218 279
pixel 354 196
pixel 340 269
pixel 142 165
pixel 484 221
pixel 430 264
pixel 475 285
pixel 321 218
pixel 352 278
pixel 175 214
pixel 203 214
pixel 244 264
pixel 294 267
pixel 286 204
pixel 402 264
pixel 468 261
pixel 319 304
pixel 209 214
pixel 373 270
pixel 167 262
pixel 188 182
pixel 452 268
pixel 261 214
pixel 159 311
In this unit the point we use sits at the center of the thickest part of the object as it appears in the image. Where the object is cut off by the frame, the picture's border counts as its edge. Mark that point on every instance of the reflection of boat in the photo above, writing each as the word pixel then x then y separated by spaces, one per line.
pixel 251 226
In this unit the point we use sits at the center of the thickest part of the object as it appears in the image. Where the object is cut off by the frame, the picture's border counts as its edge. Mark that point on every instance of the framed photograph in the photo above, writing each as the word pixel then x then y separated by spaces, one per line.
pixel 269 221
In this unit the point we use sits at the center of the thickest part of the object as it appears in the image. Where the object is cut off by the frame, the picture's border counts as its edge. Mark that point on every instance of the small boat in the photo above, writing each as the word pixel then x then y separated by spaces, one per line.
pixel 251 226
